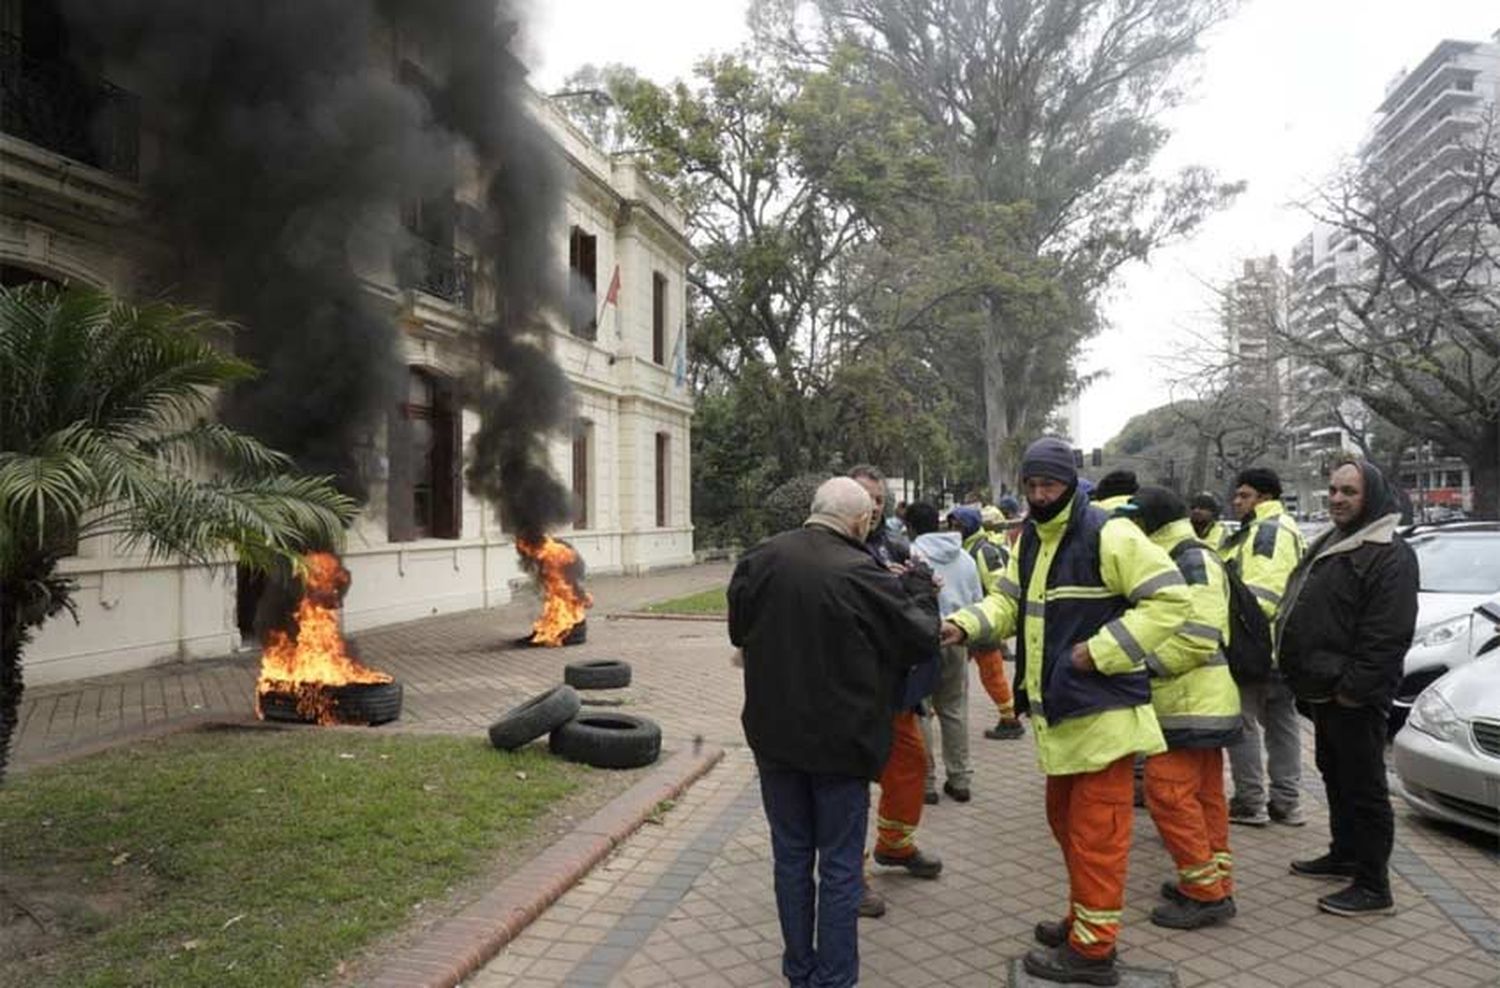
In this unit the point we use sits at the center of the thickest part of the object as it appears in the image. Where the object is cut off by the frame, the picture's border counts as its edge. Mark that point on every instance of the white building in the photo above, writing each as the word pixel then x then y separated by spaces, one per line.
pixel 70 212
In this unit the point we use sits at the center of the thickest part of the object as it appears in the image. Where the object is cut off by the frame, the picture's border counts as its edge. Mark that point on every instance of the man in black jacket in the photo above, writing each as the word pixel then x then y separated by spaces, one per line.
pixel 1341 635
pixel 827 632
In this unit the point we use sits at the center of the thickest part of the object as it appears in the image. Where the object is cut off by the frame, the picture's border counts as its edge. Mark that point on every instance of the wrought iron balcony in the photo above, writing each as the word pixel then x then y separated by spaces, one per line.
pixel 440 271
pixel 54 105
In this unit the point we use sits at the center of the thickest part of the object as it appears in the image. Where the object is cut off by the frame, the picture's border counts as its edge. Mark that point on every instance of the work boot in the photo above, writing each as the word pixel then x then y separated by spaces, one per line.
pixel 917 864
pixel 1326 866
pixel 1287 816
pixel 959 794
pixel 1051 932
pixel 871 904
pixel 1190 914
pixel 1068 966
pixel 1249 817
pixel 1006 730
pixel 1356 900
pixel 930 797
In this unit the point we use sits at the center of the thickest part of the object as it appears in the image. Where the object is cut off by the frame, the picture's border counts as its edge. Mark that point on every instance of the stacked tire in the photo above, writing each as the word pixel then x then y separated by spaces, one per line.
pixel 602 740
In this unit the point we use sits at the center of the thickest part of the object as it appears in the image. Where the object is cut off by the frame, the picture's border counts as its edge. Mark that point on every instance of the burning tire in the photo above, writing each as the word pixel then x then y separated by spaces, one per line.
pixel 608 740
pixel 537 716
pixel 600 674
pixel 353 703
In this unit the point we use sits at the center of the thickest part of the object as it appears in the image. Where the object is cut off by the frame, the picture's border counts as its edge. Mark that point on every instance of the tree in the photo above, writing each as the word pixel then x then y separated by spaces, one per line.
pixel 1418 339
pixel 100 437
pixel 1045 114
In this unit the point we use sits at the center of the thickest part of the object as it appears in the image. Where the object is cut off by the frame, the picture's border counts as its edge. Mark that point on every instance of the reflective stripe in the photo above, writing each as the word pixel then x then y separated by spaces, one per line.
pixel 1219 659
pixel 1080 593
pixel 1035 608
pixel 1200 874
pixel 906 833
pixel 1200 630
pixel 977 613
pixel 1098 917
pixel 1270 596
pixel 1126 640
pixel 1005 585
pixel 1200 722
pixel 1154 664
pixel 1171 578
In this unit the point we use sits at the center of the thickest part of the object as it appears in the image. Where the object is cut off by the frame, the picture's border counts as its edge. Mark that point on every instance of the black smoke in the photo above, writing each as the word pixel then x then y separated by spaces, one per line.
pixel 280 145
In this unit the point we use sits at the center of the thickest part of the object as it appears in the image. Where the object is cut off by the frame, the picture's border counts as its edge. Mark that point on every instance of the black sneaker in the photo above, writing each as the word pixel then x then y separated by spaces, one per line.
pixel 1191 914
pixel 1324 867
pixel 959 794
pixel 918 863
pixel 1356 900
pixel 1065 965
pixel 1006 730
pixel 930 797
pixel 1051 932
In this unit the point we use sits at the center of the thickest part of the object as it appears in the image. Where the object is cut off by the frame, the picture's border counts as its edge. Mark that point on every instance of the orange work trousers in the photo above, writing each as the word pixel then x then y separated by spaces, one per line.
pixel 900 808
pixel 1185 794
pixel 991 663
pixel 1090 815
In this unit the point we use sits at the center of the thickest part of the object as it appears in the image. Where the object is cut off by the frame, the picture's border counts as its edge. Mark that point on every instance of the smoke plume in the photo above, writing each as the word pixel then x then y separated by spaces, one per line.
pixel 280 148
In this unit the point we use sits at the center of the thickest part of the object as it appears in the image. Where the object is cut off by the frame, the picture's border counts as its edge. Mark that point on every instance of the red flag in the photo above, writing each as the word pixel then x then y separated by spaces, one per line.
pixel 612 297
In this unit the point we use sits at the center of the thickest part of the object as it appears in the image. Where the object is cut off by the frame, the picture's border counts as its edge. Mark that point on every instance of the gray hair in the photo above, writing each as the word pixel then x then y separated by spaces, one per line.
pixel 840 503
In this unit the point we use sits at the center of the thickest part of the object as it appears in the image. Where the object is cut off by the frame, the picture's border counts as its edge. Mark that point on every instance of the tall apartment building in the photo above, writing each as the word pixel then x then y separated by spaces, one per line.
pixel 1415 162
pixel 72 156
pixel 1254 312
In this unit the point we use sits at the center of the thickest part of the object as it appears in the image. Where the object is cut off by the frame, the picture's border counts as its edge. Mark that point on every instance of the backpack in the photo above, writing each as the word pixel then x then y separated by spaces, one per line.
pixel 1249 647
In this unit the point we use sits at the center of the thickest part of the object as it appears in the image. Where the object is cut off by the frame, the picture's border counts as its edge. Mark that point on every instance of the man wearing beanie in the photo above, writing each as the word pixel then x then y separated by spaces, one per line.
pixel 1263 554
pixel 1203 511
pixel 1088 598
pixel 1199 709
pixel 1115 489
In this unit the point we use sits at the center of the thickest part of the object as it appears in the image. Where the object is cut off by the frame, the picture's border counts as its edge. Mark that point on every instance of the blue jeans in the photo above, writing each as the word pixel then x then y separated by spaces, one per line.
pixel 822 818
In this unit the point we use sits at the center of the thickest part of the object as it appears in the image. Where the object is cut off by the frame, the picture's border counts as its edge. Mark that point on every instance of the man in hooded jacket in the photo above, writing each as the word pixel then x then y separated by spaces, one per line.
pixel 1342 634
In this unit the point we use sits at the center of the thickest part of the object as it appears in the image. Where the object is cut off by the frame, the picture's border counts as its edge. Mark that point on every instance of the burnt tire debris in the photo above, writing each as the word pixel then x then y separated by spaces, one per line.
pixel 352 703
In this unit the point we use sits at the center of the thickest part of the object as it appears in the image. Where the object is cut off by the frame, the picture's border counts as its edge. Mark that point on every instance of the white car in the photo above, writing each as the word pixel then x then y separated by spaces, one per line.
pixel 1448 754
pixel 1460 571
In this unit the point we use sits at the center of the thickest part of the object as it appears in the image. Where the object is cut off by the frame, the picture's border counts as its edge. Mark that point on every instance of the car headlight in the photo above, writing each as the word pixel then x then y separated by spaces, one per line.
pixel 1432 715
pixel 1443 632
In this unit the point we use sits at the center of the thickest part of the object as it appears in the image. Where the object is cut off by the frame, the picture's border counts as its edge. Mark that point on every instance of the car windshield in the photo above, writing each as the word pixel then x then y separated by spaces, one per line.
pixel 1454 563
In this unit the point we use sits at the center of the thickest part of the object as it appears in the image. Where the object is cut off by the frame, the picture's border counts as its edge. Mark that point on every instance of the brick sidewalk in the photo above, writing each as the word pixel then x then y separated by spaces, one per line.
pixel 689 901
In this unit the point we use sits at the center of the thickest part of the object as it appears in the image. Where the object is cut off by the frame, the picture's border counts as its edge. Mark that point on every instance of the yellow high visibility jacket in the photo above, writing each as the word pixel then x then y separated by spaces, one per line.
pixel 1105 584
pixel 1196 700
pixel 1266 550
pixel 990 552
pixel 1215 536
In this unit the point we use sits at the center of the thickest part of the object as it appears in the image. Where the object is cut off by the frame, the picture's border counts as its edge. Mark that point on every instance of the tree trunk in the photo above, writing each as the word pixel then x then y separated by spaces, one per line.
pixel 1484 470
pixel 13 638
pixel 1000 457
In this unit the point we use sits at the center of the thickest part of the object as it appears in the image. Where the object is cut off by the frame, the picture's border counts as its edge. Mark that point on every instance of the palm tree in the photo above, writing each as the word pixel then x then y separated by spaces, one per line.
pixel 104 431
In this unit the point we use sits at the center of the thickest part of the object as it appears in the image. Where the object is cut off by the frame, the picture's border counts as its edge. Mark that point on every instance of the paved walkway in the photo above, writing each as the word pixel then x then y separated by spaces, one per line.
pixel 689 901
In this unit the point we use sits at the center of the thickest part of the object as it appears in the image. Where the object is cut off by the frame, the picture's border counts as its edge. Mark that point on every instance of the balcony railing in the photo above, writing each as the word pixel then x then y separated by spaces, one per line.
pixel 440 271
pixel 54 105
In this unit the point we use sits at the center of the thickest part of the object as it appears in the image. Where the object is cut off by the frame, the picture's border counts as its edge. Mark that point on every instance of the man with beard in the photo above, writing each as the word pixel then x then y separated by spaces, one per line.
pixel 1088 598
pixel 1342 634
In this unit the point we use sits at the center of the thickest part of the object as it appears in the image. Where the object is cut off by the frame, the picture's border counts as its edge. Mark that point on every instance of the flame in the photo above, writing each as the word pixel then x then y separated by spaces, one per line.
pixel 318 658
pixel 563 602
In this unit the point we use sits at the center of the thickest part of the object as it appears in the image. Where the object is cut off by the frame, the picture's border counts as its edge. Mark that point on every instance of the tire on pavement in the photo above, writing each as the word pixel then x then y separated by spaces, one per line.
pixel 537 716
pixel 352 703
pixel 608 740
pixel 598 674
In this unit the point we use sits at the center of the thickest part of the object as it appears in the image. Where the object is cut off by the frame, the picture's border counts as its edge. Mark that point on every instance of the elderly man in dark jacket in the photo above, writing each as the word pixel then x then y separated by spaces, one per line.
pixel 1342 633
pixel 827 633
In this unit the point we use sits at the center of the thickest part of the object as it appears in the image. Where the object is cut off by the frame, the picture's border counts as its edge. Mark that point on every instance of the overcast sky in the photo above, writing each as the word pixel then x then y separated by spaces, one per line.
pixel 1283 92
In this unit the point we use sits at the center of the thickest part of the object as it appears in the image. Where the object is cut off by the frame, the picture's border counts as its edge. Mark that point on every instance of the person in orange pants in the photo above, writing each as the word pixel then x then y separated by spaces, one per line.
pixel 1185 794
pixel 991 664
pixel 1090 814
pixel 900 809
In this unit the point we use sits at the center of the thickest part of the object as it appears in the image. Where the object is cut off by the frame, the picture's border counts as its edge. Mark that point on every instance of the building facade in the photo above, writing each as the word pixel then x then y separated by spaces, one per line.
pixel 72 212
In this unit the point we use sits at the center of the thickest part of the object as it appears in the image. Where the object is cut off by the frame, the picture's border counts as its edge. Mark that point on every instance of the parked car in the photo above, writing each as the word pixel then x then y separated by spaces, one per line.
pixel 1448 754
pixel 1460 570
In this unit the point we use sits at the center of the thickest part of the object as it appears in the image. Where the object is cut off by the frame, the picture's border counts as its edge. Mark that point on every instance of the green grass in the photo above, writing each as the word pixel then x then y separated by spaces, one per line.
pixel 704 602
pixel 254 858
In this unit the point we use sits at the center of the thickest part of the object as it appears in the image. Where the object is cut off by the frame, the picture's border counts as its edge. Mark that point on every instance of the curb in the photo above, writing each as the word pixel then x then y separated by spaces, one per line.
pixel 664 616
pixel 460 945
